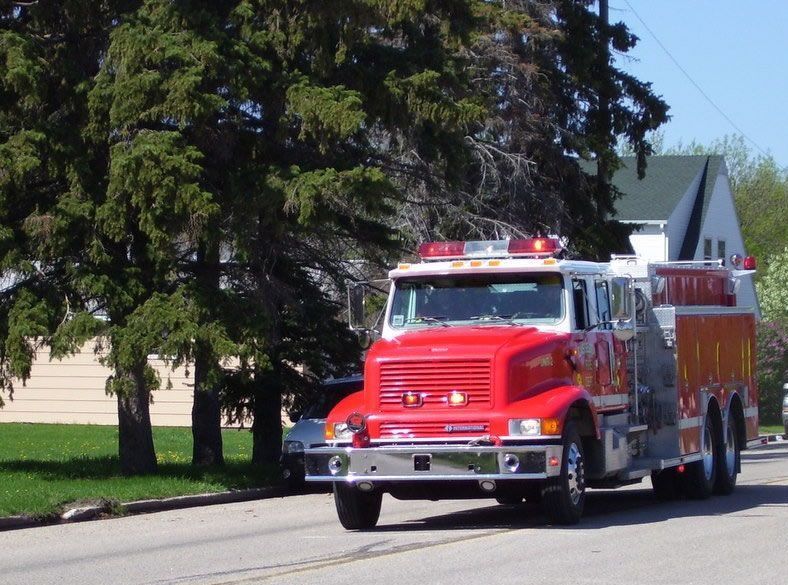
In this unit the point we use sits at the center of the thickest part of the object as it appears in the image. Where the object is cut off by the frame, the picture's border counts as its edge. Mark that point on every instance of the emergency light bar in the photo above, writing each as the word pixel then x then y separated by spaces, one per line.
pixel 528 247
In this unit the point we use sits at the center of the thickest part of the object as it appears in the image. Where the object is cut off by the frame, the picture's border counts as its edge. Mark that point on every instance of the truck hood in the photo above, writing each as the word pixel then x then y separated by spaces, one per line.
pixel 477 360
pixel 457 341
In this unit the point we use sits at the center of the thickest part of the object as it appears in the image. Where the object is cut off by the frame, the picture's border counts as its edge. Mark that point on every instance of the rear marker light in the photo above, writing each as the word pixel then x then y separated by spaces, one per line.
pixel 553 462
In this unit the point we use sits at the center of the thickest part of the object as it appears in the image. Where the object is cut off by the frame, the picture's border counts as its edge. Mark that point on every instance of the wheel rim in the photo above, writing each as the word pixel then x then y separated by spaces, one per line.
pixel 730 450
pixel 708 452
pixel 574 473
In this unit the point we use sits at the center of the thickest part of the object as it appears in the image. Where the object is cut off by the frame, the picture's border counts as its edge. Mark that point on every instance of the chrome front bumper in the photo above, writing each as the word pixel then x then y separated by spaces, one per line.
pixel 432 463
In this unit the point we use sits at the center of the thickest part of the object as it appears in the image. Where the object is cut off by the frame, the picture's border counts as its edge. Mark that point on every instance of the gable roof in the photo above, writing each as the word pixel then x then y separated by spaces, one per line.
pixel 667 180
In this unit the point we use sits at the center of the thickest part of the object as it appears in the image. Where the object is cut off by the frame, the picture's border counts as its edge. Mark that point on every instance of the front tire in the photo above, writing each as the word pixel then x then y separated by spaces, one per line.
pixel 701 476
pixel 729 460
pixel 356 510
pixel 564 496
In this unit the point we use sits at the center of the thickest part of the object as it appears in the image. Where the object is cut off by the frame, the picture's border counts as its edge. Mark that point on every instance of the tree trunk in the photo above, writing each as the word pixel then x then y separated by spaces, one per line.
pixel 135 436
pixel 206 409
pixel 267 423
pixel 206 417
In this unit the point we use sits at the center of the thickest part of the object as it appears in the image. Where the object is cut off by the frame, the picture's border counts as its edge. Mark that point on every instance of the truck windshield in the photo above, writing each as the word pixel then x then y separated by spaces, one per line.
pixel 435 301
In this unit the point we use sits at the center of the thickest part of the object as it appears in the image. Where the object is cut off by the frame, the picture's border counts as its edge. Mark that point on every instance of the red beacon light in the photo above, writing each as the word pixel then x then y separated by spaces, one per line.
pixel 745 263
pixel 535 247
pixel 442 250
pixel 528 247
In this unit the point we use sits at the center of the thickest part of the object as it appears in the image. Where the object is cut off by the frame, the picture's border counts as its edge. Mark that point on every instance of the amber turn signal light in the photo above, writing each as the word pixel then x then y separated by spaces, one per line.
pixel 457 398
pixel 551 426
pixel 412 400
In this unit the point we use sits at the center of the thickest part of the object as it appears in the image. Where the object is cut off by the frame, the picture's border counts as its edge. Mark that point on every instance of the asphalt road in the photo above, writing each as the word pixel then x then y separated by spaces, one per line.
pixel 627 537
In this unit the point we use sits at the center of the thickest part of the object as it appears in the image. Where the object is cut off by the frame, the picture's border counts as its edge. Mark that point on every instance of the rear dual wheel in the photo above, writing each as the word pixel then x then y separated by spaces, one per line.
pixel 716 472
pixel 729 460
pixel 700 476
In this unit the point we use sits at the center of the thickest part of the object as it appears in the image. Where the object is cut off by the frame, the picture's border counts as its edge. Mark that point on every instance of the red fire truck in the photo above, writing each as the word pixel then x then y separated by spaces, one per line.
pixel 504 371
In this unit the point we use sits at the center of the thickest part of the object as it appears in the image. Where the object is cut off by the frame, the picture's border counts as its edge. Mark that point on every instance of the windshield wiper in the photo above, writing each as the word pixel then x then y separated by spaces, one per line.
pixel 436 320
pixel 505 318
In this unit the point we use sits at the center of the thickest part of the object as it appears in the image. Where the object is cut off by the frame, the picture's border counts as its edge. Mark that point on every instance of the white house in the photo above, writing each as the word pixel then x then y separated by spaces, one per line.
pixel 683 209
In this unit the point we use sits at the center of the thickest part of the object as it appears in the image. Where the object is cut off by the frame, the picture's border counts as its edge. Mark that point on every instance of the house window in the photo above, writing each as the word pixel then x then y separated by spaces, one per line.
pixel 707 248
pixel 721 251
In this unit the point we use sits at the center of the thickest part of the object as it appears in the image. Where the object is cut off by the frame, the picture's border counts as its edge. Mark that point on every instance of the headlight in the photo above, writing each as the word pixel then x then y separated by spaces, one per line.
pixel 341 431
pixel 525 426
pixel 292 447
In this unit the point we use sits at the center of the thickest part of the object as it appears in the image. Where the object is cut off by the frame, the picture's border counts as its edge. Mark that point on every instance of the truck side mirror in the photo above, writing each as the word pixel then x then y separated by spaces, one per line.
pixel 356 295
pixel 365 338
pixel 621 298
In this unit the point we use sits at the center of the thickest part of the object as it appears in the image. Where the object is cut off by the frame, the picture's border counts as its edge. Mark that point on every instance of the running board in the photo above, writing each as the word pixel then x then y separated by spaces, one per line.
pixel 647 465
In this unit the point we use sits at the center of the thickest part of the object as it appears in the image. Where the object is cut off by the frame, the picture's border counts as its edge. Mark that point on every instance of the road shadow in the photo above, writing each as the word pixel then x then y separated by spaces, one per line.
pixel 606 508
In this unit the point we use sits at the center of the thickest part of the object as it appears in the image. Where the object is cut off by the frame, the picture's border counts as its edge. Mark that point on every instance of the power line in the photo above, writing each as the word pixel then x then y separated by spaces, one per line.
pixel 692 81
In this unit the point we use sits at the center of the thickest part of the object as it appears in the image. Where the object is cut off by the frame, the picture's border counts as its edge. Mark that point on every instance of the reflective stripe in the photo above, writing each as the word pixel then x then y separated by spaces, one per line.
pixel 689 423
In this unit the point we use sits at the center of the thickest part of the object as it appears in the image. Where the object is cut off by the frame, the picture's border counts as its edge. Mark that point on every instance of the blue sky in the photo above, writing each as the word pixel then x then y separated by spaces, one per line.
pixel 737 52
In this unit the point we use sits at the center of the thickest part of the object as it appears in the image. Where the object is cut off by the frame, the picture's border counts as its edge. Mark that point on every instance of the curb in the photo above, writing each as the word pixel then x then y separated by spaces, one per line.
pixel 84 513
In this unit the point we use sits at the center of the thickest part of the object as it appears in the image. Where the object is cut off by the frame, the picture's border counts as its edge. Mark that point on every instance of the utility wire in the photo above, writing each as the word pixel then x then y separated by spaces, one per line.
pixel 692 81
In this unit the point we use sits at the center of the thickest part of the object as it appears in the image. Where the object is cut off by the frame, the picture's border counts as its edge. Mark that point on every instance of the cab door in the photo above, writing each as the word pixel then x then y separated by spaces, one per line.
pixel 604 338
pixel 585 360
pixel 596 350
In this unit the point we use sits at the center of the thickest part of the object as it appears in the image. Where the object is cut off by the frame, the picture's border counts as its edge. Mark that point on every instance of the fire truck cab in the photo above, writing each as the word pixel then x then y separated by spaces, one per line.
pixel 504 371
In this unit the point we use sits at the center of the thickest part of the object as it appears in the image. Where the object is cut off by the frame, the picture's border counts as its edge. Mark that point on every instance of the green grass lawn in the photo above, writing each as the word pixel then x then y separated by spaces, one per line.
pixel 772 429
pixel 44 467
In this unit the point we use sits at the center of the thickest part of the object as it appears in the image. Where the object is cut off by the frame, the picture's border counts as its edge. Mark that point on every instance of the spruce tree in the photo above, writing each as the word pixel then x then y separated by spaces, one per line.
pixel 206 176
